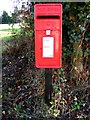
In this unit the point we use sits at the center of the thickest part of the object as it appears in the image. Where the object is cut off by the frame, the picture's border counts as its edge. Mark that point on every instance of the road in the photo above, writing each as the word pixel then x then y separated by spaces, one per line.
pixel 7 26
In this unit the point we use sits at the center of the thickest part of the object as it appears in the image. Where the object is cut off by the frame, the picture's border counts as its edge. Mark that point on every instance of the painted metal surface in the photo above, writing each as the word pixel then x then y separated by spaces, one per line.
pixel 48 35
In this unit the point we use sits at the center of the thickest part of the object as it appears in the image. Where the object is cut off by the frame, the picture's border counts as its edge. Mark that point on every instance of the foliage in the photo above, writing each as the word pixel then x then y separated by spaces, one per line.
pixel 75 64
pixel 6 19
pixel 23 84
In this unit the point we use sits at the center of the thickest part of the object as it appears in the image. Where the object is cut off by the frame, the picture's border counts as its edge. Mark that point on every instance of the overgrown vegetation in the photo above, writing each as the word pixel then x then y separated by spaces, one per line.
pixel 23 83
pixel 6 19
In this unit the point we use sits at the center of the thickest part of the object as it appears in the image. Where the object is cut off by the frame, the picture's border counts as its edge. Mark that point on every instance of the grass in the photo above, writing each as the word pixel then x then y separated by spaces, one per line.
pixel 6 34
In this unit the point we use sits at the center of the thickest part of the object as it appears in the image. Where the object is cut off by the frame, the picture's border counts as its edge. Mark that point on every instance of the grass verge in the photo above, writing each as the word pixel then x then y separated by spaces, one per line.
pixel 7 34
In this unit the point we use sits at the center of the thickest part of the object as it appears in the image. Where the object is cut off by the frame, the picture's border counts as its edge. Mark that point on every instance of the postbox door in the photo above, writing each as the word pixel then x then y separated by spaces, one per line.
pixel 49 49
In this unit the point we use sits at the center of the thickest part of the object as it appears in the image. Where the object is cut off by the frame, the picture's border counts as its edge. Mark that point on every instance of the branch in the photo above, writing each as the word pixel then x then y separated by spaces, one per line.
pixel 80 88
pixel 83 36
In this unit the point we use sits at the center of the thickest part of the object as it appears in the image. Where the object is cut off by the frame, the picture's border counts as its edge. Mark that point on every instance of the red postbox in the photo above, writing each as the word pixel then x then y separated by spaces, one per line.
pixel 48 35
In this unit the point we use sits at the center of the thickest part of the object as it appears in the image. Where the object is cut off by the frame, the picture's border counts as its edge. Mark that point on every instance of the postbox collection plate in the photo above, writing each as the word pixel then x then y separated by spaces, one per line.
pixel 48 47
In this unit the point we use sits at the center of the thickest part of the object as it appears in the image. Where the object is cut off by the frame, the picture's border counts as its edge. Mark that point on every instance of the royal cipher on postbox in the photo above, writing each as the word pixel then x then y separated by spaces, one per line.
pixel 48 35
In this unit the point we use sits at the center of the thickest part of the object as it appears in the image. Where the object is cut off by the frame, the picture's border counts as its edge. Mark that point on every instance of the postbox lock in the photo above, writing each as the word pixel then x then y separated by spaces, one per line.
pixel 48 32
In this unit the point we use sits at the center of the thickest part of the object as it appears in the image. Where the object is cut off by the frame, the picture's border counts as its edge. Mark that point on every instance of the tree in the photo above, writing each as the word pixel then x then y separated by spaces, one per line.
pixel 0 19
pixel 6 19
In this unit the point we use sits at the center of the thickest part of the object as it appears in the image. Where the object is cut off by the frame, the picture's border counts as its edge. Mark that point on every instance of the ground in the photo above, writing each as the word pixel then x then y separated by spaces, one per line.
pixel 24 84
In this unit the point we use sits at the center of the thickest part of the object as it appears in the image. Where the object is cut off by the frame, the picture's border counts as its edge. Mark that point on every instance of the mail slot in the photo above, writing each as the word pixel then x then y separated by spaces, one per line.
pixel 48 35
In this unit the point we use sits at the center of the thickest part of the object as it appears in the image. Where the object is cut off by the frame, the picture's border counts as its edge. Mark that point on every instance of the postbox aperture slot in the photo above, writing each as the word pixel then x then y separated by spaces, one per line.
pixel 48 17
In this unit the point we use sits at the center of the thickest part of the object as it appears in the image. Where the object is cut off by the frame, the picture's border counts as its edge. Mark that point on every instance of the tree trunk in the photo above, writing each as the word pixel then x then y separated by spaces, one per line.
pixel 77 61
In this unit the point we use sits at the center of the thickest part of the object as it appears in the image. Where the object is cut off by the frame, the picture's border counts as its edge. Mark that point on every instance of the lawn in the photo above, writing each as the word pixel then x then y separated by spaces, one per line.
pixel 6 31
pixel 5 34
